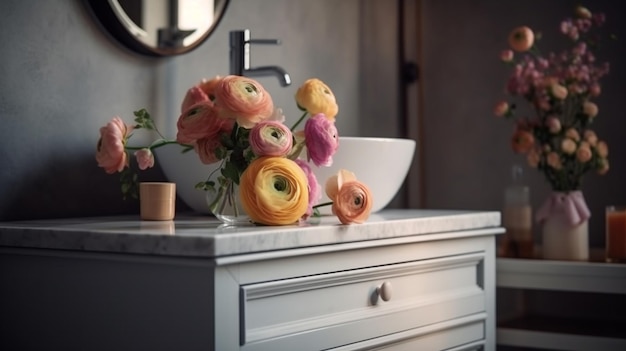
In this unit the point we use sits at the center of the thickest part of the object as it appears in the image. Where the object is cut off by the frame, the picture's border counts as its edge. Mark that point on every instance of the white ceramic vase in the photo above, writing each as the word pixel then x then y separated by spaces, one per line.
pixel 562 241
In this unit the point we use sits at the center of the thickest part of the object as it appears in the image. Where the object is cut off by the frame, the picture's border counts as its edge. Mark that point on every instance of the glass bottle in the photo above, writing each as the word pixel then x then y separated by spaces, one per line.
pixel 517 218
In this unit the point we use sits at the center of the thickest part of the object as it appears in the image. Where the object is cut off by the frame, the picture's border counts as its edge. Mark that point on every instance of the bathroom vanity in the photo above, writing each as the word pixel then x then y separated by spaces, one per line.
pixel 404 280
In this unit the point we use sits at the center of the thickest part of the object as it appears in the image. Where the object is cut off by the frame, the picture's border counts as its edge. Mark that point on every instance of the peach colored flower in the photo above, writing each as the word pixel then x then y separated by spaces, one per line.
pixel 584 154
pixel 145 158
pixel 590 109
pixel 274 191
pixel 553 124
pixel 521 39
pixel 270 138
pixel 591 137
pixel 206 147
pixel 602 149
pixel 603 166
pixel 322 141
pixel 316 97
pixel 522 141
pixel 501 109
pixel 573 134
pixel 334 182
pixel 558 91
pixel 314 188
pixel 203 91
pixel 110 152
pixel 243 99
pixel 200 121
pixel 583 12
pixel 554 160
pixel 595 89
pixel 568 146
pixel 533 158
pixel 353 202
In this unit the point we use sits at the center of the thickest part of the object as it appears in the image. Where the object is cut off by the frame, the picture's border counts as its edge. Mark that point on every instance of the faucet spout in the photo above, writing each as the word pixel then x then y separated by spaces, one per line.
pixel 240 42
pixel 279 72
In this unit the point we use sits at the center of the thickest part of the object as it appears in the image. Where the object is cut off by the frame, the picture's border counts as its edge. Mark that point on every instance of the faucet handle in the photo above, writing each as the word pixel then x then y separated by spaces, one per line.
pixel 265 41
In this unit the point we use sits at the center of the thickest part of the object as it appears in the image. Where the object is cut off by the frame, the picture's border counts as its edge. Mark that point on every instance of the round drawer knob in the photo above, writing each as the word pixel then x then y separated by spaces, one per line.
pixel 385 290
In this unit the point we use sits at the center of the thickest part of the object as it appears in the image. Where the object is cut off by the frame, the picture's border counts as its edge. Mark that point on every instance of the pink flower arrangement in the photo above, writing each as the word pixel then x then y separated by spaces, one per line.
pixel 559 88
pixel 232 120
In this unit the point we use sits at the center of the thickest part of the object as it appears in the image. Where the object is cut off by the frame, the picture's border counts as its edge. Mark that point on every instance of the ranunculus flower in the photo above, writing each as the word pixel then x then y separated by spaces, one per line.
pixel 352 200
pixel 573 134
pixel 554 160
pixel 243 99
pixel 110 152
pixel 501 109
pixel 583 12
pixel 203 91
pixel 553 124
pixel 316 97
pixel 522 141
pixel 590 109
pixel 521 39
pixel 558 91
pixel 595 89
pixel 205 148
pixel 590 137
pixel 145 158
pixel 315 191
pixel 602 149
pixel 584 154
pixel 506 55
pixel 200 121
pixel 271 138
pixel 274 191
pixel 322 141
pixel 568 146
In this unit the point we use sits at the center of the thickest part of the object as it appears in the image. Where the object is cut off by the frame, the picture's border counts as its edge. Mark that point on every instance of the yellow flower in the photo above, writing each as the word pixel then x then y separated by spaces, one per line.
pixel 316 97
pixel 273 191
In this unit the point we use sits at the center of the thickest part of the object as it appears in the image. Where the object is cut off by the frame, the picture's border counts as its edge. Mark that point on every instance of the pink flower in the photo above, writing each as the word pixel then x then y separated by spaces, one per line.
pixel 602 149
pixel 501 109
pixel 572 134
pixel 554 160
pixel 590 137
pixel 270 138
pixel 584 154
pixel 553 124
pixel 243 99
pixel 353 202
pixel 110 152
pixel 506 55
pixel 145 158
pixel 315 190
pixel 521 39
pixel 205 148
pixel 204 91
pixel 590 109
pixel 522 141
pixel 321 139
pixel 533 158
pixel 568 146
pixel 200 121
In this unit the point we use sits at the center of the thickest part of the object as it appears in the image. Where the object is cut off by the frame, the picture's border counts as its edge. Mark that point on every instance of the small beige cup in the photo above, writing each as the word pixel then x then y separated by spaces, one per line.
pixel 157 201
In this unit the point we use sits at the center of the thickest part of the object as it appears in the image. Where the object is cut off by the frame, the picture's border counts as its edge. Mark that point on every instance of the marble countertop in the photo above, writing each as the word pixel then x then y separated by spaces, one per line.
pixel 204 236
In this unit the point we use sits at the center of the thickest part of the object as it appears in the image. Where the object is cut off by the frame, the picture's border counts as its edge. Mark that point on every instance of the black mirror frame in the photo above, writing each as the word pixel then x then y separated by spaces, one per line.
pixel 106 17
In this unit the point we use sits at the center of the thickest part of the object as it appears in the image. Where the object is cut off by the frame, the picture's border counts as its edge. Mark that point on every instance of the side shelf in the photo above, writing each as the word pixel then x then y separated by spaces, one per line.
pixel 579 281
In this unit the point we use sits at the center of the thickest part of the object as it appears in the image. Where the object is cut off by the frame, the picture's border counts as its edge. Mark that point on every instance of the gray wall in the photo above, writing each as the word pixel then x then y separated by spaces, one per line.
pixel 467 156
pixel 63 78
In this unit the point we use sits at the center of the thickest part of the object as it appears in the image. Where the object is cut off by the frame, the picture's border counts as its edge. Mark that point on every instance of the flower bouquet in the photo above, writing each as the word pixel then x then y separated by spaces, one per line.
pixel 559 88
pixel 262 176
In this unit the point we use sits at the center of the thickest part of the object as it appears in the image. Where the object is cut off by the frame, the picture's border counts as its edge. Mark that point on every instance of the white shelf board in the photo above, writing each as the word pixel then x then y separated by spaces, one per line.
pixel 596 277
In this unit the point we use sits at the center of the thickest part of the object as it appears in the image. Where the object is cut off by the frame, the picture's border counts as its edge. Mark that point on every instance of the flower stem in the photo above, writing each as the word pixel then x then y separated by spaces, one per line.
pixel 157 145
pixel 323 204
pixel 299 121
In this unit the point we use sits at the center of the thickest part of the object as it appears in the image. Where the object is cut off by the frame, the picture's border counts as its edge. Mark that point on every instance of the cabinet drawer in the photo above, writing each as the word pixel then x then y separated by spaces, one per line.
pixel 343 307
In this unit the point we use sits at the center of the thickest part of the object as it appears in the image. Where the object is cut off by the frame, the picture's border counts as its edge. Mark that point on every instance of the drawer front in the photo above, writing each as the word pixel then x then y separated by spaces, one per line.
pixel 344 307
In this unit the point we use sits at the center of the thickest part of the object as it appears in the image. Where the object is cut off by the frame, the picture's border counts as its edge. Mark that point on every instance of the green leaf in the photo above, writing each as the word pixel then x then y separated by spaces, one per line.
pixel 230 171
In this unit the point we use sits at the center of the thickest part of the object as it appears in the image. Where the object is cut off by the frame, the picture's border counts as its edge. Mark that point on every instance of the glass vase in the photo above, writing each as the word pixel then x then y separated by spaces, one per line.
pixel 226 205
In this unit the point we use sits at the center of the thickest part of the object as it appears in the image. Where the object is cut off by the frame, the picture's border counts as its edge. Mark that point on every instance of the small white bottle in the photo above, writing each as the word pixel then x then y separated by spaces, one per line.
pixel 517 218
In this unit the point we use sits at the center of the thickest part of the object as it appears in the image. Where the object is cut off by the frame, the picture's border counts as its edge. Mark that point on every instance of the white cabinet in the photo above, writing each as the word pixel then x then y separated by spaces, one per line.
pixel 397 290
pixel 594 287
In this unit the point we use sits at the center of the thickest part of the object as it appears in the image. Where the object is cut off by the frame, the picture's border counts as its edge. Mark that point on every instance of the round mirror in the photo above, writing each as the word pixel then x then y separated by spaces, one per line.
pixel 159 27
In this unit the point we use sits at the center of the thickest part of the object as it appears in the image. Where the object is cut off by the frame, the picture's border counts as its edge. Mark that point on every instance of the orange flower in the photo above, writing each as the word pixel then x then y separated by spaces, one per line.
pixel 352 200
pixel 274 191
pixel 110 152
pixel 316 97
pixel 521 39
pixel 522 141
pixel 244 100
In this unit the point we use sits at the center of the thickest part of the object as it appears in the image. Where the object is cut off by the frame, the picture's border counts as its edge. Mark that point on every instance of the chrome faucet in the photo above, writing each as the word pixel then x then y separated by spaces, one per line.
pixel 240 42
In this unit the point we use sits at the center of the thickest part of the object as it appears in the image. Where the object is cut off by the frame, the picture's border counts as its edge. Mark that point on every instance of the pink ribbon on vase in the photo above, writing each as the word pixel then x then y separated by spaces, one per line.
pixel 571 204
